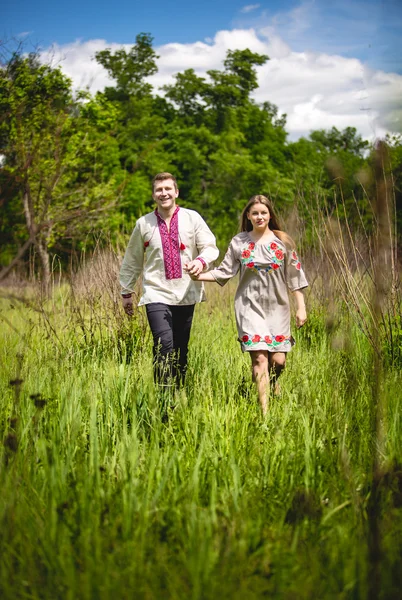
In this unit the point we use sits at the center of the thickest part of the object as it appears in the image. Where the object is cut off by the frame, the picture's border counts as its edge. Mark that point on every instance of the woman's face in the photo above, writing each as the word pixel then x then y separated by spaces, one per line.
pixel 259 216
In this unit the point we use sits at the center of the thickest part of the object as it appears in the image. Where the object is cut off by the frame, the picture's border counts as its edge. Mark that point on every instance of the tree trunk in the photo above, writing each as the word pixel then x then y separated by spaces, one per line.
pixel 39 239
pixel 42 249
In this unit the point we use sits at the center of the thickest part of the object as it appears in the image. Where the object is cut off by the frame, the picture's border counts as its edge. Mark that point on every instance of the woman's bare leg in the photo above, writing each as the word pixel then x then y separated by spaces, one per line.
pixel 277 362
pixel 259 365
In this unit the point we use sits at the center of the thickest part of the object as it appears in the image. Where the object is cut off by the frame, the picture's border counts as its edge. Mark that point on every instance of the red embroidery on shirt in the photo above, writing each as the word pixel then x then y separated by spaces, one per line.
pixel 170 245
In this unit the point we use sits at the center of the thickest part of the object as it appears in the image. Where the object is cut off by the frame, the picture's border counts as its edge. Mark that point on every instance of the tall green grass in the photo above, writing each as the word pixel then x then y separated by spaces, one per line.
pixel 102 496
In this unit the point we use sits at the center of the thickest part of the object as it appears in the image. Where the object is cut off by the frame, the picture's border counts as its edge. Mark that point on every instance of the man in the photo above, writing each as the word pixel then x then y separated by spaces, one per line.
pixel 162 244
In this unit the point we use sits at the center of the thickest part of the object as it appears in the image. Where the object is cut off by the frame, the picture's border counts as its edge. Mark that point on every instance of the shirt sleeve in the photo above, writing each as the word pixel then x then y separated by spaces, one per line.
pixel 133 261
pixel 228 268
pixel 295 278
pixel 206 243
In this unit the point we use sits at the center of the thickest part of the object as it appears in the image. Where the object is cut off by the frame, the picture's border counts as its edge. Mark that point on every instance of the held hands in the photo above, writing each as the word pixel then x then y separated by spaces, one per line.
pixel 194 268
pixel 128 306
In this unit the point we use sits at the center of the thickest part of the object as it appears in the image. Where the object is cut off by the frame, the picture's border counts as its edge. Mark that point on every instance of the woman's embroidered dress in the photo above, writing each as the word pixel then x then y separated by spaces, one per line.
pixel 267 272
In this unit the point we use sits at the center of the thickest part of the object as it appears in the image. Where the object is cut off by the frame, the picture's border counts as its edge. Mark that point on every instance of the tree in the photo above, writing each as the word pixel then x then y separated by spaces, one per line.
pixel 231 88
pixel 130 69
pixel 140 131
pixel 50 172
pixel 335 141
pixel 187 94
pixel 328 167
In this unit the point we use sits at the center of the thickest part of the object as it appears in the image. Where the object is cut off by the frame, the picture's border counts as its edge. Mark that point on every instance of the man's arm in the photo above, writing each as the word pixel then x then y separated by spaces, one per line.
pixel 206 247
pixel 131 268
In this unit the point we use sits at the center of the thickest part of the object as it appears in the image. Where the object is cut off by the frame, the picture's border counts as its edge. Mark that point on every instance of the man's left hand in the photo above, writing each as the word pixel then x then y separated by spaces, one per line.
pixel 195 267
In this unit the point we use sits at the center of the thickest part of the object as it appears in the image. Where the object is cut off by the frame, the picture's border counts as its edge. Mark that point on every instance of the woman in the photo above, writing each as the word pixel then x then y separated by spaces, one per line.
pixel 269 268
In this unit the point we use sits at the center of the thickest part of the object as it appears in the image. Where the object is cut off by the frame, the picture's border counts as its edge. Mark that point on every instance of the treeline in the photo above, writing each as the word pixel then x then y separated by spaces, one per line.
pixel 75 166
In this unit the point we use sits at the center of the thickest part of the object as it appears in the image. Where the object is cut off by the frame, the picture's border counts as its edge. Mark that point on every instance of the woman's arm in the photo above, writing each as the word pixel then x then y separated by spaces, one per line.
pixel 203 277
pixel 301 314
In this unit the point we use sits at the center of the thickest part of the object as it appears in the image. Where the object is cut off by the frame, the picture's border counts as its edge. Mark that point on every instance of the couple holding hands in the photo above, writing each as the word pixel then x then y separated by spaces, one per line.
pixel 174 249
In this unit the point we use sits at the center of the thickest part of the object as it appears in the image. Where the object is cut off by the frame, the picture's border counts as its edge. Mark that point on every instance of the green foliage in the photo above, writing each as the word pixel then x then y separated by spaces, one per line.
pixel 186 94
pixel 391 337
pixel 233 86
pixel 129 69
pixel 88 161
pixel 393 170
pixel 102 498
pixel 56 172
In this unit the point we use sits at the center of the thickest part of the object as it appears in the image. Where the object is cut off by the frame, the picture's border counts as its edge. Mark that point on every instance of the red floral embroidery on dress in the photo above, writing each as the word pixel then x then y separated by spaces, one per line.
pixel 276 255
pixel 275 342
pixel 171 245
pixel 295 260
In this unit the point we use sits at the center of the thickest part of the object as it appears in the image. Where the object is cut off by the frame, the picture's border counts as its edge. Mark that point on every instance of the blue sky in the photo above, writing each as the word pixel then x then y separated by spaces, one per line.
pixel 370 29
pixel 352 43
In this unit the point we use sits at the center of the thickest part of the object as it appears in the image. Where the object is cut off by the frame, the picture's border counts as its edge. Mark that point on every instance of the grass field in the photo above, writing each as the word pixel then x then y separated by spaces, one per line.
pixel 103 497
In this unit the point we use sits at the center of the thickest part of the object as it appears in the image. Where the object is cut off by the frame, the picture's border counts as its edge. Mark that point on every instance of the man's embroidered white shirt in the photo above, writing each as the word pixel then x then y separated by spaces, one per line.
pixel 145 255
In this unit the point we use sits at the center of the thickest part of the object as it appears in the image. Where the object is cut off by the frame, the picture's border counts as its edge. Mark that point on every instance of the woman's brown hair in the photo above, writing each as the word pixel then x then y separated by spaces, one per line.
pixel 274 223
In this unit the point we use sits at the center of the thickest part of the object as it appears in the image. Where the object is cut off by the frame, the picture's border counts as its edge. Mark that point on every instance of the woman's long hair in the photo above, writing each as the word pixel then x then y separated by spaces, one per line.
pixel 274 223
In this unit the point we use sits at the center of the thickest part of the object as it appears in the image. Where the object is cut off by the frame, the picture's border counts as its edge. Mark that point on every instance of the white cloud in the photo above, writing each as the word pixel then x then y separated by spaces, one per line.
pixel 78 62
pixel 315 90
pixel 249 8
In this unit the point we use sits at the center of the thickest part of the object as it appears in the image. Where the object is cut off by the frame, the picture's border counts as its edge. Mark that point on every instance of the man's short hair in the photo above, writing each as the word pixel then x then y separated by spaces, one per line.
pixel 162 177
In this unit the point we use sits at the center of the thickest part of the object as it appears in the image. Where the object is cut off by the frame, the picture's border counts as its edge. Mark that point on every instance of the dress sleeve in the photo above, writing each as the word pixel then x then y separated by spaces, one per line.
pixel 205 242
pixel 133 261
pixel 228 268
pixel 295 277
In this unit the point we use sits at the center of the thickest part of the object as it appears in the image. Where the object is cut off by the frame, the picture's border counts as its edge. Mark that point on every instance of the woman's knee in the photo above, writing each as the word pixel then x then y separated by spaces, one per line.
pixel 259 359
pixel 277 360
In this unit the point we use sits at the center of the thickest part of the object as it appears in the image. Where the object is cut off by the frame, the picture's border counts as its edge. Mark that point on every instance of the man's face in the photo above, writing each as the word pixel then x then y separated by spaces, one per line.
pixel 165 194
